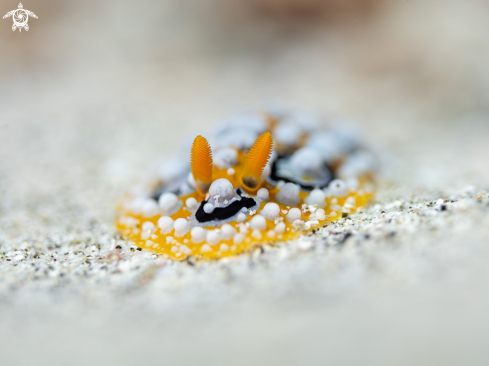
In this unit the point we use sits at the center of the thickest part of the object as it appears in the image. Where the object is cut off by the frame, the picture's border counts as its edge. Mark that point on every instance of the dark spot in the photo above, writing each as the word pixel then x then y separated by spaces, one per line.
pixel 138 248
pixel 443 207
pixel 118 247
pixel 223 213
pixel 274 176
pixel 344 214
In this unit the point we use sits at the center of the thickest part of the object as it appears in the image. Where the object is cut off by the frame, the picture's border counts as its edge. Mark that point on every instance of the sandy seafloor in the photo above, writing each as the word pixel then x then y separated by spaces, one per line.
pixel 96 94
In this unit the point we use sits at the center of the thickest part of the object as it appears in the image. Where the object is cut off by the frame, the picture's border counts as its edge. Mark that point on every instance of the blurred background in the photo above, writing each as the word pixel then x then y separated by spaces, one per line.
pixel 102 85
pixel 96 93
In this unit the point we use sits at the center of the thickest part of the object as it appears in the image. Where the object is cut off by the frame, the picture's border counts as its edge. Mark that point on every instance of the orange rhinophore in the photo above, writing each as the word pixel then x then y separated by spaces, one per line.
pixel 256 161
pixel 201 164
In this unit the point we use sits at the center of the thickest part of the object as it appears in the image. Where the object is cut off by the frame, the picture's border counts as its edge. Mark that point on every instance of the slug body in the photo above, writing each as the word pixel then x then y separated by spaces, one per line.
pixel 262 178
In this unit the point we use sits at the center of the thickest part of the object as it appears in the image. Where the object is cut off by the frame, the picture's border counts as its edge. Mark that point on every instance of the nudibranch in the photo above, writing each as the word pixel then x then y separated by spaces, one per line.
pixel 261 178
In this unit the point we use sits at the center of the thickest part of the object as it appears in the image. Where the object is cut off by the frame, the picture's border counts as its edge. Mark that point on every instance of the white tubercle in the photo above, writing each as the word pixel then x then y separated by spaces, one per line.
pixel 198 234
pixel 225 157
pixel 209 208
pixel 241 217
pixel 280 228
pixel 147 230
pixel 307 160
pixel 289 194
pixel 238 238
pixel 270 211
pixel 256 234
pixel 205 248
pixel 258 222
pixel 185 249
pixel 351 201
pixel 223 188
pixel 169 203
pixel 181 227
pixel 223 247
pixel 165 223
pixel 294 214
pixel 316 197
pixel 288 133
pixel 319 214
pixel 231 171
pixel 192 204
pixel 213 237
pixel 271 234
pixel 263 194
pixel 227 231
pixel 337 188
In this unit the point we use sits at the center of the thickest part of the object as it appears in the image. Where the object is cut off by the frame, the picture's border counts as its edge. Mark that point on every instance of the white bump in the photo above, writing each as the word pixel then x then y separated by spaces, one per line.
pixel 231 171
pixel 271 234
pixel 289 194
pixel 351 201
pixel 147 230
pixel 191 203
pixel 316 197
pixel 319 214
pixel 238 238
pixel 169 239
pixel 205 248
pixel 174 249
pixel 294 214
pixel 165 224
pixel 337 188
pixel 224 247
pixel 243 228
pixel 227 231
pixel 185 250
pixel 307 161
pixel 263 194
pixel 181 227
pixel 198 234
pixel 280 228
pixel 223 188
pixel 241 217
pixel 256 234
pixel 213 237
pixel 208 208
pixel 169 203
pixel 258 222
pixel 149 243
pixel 287 133
pixel 270 211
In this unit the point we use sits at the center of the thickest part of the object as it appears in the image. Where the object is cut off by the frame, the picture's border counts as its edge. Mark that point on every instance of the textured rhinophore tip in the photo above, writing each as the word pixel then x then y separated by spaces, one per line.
pixel 256 161
pixel 201 164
